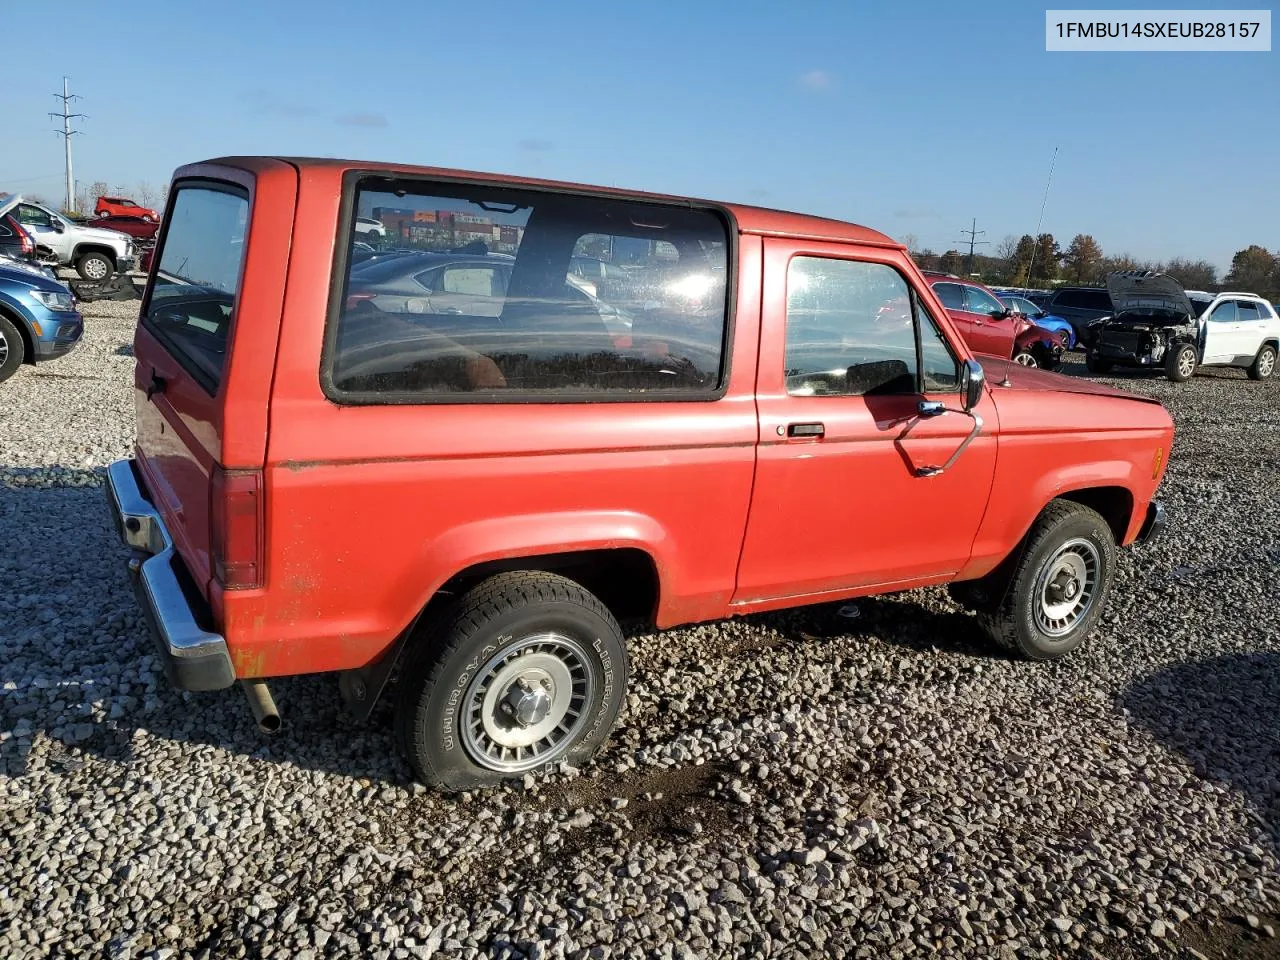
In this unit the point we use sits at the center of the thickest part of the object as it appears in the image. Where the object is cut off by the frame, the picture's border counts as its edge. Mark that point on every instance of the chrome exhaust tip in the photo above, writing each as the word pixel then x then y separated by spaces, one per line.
pixel 262 704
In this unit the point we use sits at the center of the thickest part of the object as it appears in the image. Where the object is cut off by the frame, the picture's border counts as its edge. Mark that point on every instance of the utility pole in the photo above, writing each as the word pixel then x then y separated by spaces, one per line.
pixel 973 233
pixel 67 133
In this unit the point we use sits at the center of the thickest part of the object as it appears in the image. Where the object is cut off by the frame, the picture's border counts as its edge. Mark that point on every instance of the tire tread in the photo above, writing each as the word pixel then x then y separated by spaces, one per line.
pixel 999 620
pixel 439 643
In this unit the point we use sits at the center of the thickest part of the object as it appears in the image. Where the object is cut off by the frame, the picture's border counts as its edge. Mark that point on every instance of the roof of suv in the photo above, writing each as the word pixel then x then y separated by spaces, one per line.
pixel 756 220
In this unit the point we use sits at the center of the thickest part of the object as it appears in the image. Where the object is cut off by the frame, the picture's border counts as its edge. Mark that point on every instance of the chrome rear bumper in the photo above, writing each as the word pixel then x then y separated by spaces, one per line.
pixel 194 658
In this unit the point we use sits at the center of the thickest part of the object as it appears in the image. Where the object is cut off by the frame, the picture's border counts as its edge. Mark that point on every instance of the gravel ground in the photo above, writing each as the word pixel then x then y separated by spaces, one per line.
pixel 790 785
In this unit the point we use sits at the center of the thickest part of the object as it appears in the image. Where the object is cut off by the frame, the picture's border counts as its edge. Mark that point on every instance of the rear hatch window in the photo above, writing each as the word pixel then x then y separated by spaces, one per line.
pixel 197 278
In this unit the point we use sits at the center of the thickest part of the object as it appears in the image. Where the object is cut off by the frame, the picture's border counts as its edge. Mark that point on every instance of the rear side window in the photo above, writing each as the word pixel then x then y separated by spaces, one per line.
pixel 1248 309
pixel 499 294
pixel 951 295
pixel 197 279
pixel 1084 299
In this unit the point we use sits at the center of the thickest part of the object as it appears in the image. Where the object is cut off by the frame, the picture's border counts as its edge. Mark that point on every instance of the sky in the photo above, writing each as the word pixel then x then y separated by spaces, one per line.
pixel 912 118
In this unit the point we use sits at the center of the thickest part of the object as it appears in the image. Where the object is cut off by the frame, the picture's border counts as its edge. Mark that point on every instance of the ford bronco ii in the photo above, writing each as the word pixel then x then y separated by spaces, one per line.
pixel 465 462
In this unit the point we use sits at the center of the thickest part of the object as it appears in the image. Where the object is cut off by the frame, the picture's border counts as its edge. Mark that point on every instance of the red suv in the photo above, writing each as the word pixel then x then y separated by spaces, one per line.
pixel 122 207
pixel 459 465
pixel 991 328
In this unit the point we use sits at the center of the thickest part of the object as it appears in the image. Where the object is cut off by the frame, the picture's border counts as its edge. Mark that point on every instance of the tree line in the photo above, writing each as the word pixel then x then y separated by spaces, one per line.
pixel 1040 262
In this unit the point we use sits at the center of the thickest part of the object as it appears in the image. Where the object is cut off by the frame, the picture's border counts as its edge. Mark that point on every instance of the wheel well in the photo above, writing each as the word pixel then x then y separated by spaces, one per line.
pixel 1271 342
pixel 1115 504
pixel 84 248
pixel 625 579
pixel 28 345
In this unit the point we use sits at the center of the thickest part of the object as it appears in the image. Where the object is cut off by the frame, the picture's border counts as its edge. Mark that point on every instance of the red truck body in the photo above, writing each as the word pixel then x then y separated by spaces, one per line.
pixel 318 532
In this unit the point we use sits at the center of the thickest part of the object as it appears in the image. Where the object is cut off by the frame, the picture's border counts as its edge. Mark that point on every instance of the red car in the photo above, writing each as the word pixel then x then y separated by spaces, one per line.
pixel 122 207
pixel 991 328
pixel 470 476
pixel 140 228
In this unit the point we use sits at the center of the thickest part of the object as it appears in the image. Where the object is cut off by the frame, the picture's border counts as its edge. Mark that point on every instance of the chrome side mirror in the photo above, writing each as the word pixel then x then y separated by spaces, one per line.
pixel 972 380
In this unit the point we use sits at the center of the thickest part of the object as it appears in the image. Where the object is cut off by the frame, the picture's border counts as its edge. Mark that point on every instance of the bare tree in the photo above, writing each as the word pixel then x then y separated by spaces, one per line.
pixel 911 242
pixel 1193 274
pixel 146 193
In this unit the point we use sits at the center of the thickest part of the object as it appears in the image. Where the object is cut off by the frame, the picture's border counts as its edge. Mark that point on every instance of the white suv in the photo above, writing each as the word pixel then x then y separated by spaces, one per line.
pixel 1157 324
pixel 1237 330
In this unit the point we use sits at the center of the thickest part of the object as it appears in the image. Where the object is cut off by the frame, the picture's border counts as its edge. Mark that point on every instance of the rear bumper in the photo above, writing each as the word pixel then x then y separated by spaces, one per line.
pixel 1153 525
pixel 194 658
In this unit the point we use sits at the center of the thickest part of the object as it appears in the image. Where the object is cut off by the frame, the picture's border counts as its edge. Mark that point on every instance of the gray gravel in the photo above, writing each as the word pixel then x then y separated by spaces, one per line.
pixel 792 785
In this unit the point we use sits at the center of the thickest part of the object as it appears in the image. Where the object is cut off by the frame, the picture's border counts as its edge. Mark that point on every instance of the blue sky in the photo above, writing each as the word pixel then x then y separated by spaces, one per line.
pixel 908 117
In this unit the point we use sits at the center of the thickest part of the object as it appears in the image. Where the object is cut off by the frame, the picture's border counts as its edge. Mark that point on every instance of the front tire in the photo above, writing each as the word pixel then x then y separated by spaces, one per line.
pixel 11 348
pixel 1025 358
pixel 1059 585
pixel 94 267
pixel 528 669
pixel 1180 365
pixel 1264 363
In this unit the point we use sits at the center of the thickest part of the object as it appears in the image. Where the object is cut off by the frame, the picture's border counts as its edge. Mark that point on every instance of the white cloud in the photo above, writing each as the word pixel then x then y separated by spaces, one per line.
pixel 815 80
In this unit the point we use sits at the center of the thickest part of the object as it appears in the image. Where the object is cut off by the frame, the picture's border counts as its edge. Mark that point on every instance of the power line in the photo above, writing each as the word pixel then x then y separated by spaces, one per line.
pixel 66 96
pixel 973 233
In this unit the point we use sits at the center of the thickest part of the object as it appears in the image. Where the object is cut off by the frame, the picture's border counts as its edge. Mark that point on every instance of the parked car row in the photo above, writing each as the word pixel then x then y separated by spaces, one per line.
pixel 96 253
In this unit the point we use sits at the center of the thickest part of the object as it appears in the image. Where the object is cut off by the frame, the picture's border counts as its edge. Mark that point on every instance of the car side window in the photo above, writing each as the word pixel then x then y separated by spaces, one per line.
pixel 1225 312
pixel 473 281
pixel 939 368
pixel 951 295
pixel 34 216
pixel 1247 310
pixel 979 301
pixel 850 329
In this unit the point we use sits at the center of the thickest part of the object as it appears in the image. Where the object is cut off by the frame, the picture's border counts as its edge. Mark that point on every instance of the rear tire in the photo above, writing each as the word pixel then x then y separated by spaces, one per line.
pixel 11 348
pixel 1263 364
pixel 1059 585
pixel 1180 364
pixel 528 669
pixel 1096 364
pixel 95 267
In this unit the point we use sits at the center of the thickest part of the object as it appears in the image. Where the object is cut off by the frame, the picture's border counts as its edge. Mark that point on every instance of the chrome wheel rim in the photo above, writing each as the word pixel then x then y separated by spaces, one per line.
pixel 1067 587
pixel 1026 359
pixel 96 269
pixel 1266 363
pixel 527 704
pixel 4 349
pixel 1186 363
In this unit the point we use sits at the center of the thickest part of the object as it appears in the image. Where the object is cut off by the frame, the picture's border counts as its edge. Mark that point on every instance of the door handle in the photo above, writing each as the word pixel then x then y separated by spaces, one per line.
pixel 157 385
pixel 802 430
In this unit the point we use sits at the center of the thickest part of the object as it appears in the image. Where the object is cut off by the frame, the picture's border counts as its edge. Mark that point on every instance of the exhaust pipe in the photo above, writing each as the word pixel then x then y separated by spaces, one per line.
pixel 262 704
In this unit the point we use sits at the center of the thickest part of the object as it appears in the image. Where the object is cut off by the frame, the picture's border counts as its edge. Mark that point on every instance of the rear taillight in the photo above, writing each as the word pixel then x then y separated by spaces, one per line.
pixel 25 243
pixel 236 522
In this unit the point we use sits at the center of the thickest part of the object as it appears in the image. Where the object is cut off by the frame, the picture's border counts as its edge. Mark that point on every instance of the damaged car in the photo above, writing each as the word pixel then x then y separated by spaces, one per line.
pixel 1156 326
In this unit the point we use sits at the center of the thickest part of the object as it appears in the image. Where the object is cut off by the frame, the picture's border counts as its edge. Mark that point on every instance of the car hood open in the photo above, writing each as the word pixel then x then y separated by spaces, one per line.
pixel 1146 290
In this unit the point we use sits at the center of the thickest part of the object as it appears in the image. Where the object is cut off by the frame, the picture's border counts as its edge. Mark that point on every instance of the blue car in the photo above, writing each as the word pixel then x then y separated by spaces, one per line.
pixel 38 317
pixel 1041 319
